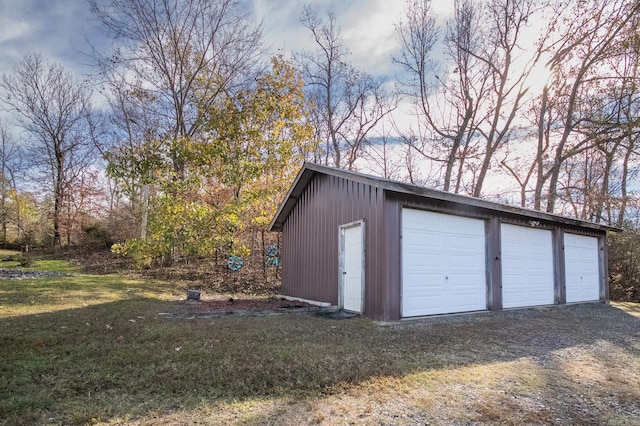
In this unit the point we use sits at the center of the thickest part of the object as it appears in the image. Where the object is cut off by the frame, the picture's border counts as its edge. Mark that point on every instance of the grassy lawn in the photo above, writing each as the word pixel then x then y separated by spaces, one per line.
pixel 85 349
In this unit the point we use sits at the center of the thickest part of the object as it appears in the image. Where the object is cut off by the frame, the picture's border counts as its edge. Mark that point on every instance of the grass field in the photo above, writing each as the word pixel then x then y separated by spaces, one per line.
pixel 89 349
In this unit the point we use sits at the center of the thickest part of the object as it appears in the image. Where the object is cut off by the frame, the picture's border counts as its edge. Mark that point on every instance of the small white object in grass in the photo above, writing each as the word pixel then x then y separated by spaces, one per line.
pixel 178 348
pixel 132 320
pixel 108 327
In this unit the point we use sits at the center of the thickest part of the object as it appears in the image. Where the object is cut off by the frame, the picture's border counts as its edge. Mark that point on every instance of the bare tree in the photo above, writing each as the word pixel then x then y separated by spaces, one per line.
pixel 384 156
pixel 472 102
pixel 446 99
pixel 628 115
pixel 55 111
pixel 184 54
pixel 509 65
pixel 9 159
pixel 572 102
pixel 347 104
pixel 521 169
pixel 600 189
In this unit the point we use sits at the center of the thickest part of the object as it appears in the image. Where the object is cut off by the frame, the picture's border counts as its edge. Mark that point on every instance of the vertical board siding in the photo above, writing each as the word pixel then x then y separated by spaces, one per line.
pixel 311 235
pixel 494 264
pixel 392 261
pixel 560 282
pixel 603 266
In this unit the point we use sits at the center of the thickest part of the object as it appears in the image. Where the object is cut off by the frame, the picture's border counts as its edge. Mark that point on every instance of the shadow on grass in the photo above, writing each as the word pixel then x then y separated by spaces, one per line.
pixel 119 359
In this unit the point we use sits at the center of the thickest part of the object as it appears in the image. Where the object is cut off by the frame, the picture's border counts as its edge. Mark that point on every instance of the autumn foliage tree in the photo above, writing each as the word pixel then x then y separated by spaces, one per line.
pixel 176 56
pixel 252 144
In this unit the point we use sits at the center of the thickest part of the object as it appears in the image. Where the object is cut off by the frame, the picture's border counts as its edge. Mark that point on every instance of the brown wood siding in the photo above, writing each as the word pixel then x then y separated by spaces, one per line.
pixel 310 240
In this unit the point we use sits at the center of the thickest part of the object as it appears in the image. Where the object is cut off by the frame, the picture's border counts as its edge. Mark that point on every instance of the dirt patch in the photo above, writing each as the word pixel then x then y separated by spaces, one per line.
pixel 27 274
pixel 222 303
pixel 219 305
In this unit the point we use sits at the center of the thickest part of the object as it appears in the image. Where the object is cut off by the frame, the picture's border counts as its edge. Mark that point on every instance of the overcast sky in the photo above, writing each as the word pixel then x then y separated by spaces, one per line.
pixel 54 28
pixel 58 29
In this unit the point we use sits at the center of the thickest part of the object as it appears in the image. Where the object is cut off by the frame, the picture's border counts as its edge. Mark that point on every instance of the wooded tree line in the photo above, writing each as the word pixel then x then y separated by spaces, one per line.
pixel 189 134
pixel 542 93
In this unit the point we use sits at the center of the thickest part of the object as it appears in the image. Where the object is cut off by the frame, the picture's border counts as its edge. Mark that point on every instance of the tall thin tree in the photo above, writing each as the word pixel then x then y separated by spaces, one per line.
pixel 347 103
pixel 55 110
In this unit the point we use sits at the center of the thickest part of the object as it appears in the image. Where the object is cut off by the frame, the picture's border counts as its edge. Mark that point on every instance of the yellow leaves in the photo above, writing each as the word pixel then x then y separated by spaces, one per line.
pixel 240 250
pixel 231 176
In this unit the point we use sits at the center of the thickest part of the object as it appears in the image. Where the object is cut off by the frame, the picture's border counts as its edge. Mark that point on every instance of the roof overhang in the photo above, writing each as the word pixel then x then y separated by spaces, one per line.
pixel 309 170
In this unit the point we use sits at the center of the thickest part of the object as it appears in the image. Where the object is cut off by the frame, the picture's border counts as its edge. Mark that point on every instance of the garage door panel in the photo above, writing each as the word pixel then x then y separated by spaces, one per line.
pixel 464 299
pixel 527 266
pixel 418 289
pixel 424 238
pixel 423 258
pixel 443 263
pixel 465 243
pixel 431 303
pixel 581 268
pixel 466 259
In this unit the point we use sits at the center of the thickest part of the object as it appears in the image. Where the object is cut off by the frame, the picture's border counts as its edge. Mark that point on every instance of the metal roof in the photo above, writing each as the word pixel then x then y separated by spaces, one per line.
pixel 309 170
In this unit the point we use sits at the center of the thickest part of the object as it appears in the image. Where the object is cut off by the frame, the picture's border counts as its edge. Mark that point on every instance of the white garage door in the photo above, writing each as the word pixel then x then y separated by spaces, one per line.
pixel 527 266
pixel 443 264
pixel 581 268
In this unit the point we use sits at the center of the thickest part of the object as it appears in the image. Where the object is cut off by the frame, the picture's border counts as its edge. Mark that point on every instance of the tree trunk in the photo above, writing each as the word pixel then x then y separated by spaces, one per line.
pixel 145 205
pixel 542 146
pixel 623 186
pixel 57 204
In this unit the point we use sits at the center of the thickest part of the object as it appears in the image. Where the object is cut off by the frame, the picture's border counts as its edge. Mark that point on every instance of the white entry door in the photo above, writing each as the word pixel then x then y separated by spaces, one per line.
pixel 527 266
pixel 443 264
pixel 353 268
pixel 581 268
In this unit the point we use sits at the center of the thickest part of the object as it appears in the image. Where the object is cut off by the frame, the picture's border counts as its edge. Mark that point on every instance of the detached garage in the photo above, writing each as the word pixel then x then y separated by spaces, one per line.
pixel 390 250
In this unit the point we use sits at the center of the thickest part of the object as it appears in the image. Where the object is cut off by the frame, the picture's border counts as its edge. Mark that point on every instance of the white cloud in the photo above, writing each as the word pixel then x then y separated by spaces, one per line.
pixel 367 27
pixel 370 34
pixel 11 30
pixel 56 29
pixel 283 31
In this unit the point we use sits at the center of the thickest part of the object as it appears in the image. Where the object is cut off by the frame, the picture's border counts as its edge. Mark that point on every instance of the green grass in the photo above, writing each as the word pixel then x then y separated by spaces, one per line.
pixel 84 349
pixel 31 296
pixel 13 259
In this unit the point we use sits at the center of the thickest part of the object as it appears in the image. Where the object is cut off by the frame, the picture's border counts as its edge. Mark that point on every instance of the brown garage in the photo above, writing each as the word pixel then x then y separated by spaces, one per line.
pixel 390 250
